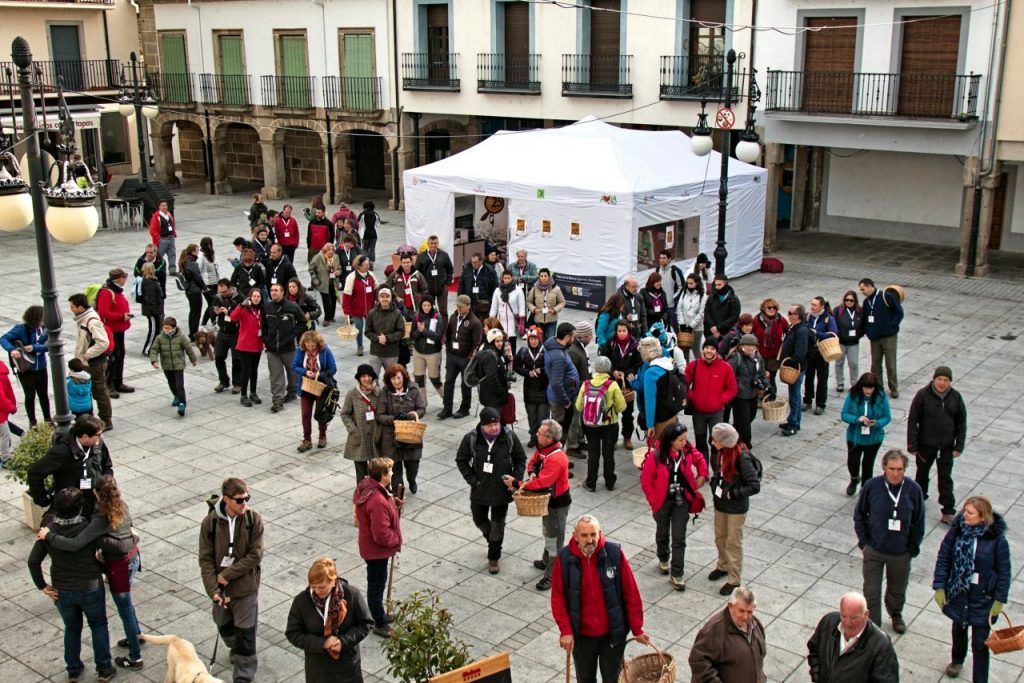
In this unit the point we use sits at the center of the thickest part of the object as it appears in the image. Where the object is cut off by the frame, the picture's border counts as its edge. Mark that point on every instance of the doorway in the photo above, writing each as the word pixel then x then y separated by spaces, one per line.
pixel 368 148
pixel 67 55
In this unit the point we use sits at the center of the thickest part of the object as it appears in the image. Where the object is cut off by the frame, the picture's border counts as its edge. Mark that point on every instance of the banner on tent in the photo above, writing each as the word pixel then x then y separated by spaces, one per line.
pixel 585 292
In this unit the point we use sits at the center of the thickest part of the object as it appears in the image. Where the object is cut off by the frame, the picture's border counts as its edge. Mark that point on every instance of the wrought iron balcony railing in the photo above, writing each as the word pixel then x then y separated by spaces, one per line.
pixel 359 94
pixel 508 73
pixel 290 92
pixel 428 71
pixel 597 75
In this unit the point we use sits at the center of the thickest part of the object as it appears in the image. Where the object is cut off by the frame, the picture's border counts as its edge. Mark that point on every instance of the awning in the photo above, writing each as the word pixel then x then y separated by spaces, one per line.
pixel 83 120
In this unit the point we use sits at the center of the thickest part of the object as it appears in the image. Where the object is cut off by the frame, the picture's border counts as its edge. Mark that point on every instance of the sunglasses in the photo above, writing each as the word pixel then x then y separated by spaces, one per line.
pixel 241 500
pixel 771 308
pixel 850 301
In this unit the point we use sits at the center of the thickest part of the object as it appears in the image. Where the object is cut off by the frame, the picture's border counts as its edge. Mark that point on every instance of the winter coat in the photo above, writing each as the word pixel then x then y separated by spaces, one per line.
pixel 152 299
pixel 749 372
pixel 526 360
pixel 604 329
pixel 538 299
pixel 877 409
pixel 883 314
pixel 797 345
pixel 874 511
pixel 722 653
pixel 250 328
pixel 736 492
pixel 390 404
pixel 309 306
pixel 194 283
pixel 391 323
pixel 722 311
pixel 431 339
pixel 280 272
pixel 319 232
pixel 711 385
pixel 359 295
pixel 346 258
pixel 305 630
pixel 112 306
pixel 871 659
pixel 635 313
pixel 823 327
pixel 417 287
pixel 92 341
pixel 64 462
pixel 690 309
pixel 227 326
pixel 506 456
pixel 580 358
pixel 656 476
pixel 77 571
pixel 512 313
pixel 442 264
pixel 287 231
pixel 991 563
pixel 937 421
pixel 324 275
pixel 208 270
pixel 380 529
pixel 362 433
pixel 614 403
pixel 656 305
pixel 8 402
pixel 483 281
pixel 247 278
pixel 851 329
pixel 552 474
pixel 563 380
pixel 328 368
pixel 468 335
pixel 244 574
pixel 79 392
pixel 160 226
pixel 20 336
pixel 284 323
pixel 170 351
pixel 628 364
pixel 493 387
pixel 525 277
pixel 770 333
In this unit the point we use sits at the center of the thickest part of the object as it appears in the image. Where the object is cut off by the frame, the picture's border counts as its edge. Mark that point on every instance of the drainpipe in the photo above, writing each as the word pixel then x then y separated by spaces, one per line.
pixel 416 116
pixel 330 155
pixel 106 42
pixel 395 175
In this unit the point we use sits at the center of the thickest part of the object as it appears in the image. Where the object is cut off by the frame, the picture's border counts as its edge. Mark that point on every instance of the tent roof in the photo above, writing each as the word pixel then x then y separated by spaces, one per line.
pixel 589 155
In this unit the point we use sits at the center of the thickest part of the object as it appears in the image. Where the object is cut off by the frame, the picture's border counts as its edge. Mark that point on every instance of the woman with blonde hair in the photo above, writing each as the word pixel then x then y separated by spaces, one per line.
pixel 312 360
pixel 327 621
pixel 152 305
pixel 325 274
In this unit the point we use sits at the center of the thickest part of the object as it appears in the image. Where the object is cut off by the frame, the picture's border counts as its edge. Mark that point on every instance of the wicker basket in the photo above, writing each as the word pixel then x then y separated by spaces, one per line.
pixel 531 504
pixel 829 348
pixel 787 373
pixel 410 431
pixel 898 291
pixel 653 667
pixel 1006 639
pixel 639 455
pixel 408 329
pixel 775 411
pixel 348 331
pixel 685 339
pixel 311 386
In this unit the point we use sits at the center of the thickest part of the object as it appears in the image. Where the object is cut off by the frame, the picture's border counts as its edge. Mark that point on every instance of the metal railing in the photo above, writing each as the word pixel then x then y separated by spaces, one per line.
pixel 352 93
pixel 291 92
pixel 934 96
pixel 169 87
pixel 76 75
pixel 516 73
pixel 102 3
pixel 227 89
pixel 696 77
pixel 597 75
pixel 429 71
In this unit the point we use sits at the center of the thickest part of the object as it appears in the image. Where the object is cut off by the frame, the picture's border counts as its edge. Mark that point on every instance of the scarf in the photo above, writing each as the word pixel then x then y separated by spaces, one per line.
pixel 506 289
pixel 114 287
pixel 336 610
pixel 543 287
pixel 312 361
pixel 963 557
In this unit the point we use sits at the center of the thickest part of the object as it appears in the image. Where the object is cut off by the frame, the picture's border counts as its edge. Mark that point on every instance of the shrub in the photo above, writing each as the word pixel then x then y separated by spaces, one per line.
pixel 31 447
pixel 421 645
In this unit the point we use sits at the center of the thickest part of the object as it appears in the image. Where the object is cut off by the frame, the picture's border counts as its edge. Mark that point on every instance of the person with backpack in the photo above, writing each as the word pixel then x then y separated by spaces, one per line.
pixel 26 344
pixel 489 372
pixel 623 351
pixel 92 345
pixel 115 312
pixel 368 220
pixel 563 379
pixel 230 554
pixel 599 404
pixel 737 477
pixel 710 384
pixel 671 478
pixel 657 409
pixel 169 352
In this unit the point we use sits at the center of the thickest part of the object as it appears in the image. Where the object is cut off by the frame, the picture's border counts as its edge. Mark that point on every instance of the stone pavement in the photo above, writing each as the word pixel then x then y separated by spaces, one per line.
pixel 800 549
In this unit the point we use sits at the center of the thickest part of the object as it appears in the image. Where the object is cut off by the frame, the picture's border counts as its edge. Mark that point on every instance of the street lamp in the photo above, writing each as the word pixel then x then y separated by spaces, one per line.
pixel 139 101
pixel 69 213
pixel 748 148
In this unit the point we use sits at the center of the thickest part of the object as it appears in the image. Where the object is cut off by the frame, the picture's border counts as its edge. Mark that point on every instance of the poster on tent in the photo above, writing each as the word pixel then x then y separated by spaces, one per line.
pixel 585 292
pixel 653 239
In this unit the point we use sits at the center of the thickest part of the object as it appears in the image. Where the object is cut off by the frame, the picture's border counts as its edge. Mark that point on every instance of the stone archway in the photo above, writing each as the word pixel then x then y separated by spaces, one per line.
pixel 305 167
pixel 179 150
pixel 238 157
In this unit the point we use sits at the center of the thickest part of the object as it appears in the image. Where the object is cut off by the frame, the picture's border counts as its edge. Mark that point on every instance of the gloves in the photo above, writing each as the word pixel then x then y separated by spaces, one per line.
pixel 940 598
pixel 994 611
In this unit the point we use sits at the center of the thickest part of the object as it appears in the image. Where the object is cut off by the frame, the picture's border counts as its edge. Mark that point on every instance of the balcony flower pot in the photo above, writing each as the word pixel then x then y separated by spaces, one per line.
pixel 32 446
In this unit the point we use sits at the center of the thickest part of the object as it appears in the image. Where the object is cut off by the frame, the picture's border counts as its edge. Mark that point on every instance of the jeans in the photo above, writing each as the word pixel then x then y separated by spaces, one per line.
pixel 860 460
pixel 115 362
pixel 549 329
pixel 490 520
pixel 671 519
pixel 851 357
pixel 944 464
pixel 72 605
pixel 454 366
pixel 979 634
pixel 176 383
pixel 33 383
pixel 601 448
pixel 885 349
pixel 250 370
pixel 376 583
pixel 359 324
pixel 535 414
pixel 795 408
pixel 590 654
pixel 126 610
pixel 897 574
pixel 816 382
pixel 223 347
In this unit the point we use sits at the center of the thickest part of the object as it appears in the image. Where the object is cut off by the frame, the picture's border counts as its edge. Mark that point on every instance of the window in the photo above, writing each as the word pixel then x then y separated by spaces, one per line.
pixel 438 47
pixel 174 81
pixel 114 134
pixel 232 82
pixel 707 43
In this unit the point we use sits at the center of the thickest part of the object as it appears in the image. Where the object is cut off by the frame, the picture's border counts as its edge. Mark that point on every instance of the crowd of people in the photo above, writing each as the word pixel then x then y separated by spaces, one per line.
pixel 677 354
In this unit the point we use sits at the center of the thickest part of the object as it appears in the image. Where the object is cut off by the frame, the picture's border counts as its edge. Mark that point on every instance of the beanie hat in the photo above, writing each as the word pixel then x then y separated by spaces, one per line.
pixel 748 340
pixel 494 333
pixel 489 416
pixel 584 329
pixel 943 371
pixel 725 434
pixel 602 364
pixel 650 349
pixel 708 341
pixel 463 300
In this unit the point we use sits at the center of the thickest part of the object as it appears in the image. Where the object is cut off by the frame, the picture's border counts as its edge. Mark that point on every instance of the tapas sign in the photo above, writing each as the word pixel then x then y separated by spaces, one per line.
pixel 725 118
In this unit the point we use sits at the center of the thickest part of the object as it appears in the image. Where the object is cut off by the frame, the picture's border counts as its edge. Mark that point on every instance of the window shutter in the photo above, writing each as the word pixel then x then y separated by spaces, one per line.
pixel 358 91
pixel 927 84
pixel 829 56
pixel 173 67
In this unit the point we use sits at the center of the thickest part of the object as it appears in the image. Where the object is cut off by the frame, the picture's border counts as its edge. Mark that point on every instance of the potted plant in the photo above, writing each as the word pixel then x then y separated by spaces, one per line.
pixel 32 446
pixel 421 645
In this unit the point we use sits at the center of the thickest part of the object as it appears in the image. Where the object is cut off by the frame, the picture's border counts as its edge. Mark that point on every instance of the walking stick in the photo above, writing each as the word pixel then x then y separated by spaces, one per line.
pixel 568 662
pixel 216 640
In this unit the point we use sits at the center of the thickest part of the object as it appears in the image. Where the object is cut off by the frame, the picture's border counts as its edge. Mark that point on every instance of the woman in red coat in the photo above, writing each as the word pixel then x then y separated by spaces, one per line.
pixel 548 470
pixel 380 534
pixel 669 482
pixel 359 296
pixel 249 316
pixel 770 327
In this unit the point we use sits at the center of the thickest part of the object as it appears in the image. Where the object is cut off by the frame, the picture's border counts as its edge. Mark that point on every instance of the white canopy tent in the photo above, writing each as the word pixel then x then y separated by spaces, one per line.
pixel 578 195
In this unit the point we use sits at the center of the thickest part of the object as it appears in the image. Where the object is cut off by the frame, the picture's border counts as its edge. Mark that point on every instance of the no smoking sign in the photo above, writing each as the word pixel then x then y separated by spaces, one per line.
pixel 725 118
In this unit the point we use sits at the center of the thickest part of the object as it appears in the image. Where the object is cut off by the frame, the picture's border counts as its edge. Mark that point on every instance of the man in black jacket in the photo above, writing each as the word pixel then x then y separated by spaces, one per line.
pixel 283 322
pixel 462 337
pixel 76 587
pixel 937 432
pixel 279 268
pixel 76 461
pixel 227 336
pixel 722 310
pixel 635 312
pixel 160 265
pixel 478 283
pixel 846 646
pixel 795 346
pixel 491 460
pixel 436 266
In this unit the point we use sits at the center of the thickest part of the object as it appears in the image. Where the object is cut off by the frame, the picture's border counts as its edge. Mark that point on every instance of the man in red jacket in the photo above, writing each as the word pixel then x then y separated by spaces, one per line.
pixel 287 230
pixel 711 384
pixel 595 602
pixel 162 231
pixel 113 309
pixel 548 470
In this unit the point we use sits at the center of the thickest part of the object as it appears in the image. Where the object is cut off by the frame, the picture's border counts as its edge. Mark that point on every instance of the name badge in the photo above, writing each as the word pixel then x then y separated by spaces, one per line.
pixel 433 271
pixel 431 341
pixel 488 467
pixel 851 333
pixel 227 561
pixel 871 318
pixel 718 491
pixel 369 416
pixel 894 525
pixel 632 316
pixel 85 484
pixel 252 282
pixel 657 308
pixel 273 280
pixel 865 430
pixel 544 310
pixel 259 332
pixel 331 275
pixel 975 578
pixel 287 234
pixel 476 290
pixel 455 346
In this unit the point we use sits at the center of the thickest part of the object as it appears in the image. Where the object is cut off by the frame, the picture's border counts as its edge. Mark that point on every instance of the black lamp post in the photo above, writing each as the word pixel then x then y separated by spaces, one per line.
pixel 137 98
pixel 747 149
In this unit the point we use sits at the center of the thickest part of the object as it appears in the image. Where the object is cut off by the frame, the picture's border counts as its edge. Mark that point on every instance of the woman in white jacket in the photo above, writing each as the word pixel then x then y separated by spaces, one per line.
pixel 690 313
pixel 508 305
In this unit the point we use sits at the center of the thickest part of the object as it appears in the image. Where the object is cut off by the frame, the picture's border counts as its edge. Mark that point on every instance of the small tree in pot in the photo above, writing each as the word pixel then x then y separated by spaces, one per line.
pixel 32 446
pixel 421 645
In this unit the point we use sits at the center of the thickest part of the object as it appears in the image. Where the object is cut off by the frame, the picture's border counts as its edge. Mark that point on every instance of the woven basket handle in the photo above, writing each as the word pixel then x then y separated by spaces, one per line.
pixel 625 669
pixel 992 618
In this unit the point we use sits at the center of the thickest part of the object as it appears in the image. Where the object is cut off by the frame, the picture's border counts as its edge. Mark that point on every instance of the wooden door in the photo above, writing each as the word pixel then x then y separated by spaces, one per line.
pixel 604 42
pixel 995 235
pixel 517 42
pixel 829 57
pixel 437 44
pixel 369 162
pixel 927 80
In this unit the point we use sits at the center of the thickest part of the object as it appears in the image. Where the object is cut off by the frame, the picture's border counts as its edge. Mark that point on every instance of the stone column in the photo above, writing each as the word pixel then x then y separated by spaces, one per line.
pixel 989 185
pixel 342 178
pixel 773 157
pixel 163 158
pixel 273 169
pixel 966 215
pixel 220 165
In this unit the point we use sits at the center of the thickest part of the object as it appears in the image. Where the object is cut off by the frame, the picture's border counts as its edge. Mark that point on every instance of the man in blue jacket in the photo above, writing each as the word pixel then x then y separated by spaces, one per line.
pixel 883 314
pixel 563 379
pixel 795 345
pixel 889 521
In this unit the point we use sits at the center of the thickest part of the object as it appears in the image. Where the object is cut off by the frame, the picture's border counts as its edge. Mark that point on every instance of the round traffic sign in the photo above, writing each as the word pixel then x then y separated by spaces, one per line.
pixel 725 118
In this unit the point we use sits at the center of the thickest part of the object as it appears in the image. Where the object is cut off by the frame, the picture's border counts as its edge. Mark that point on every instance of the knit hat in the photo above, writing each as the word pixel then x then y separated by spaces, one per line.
pixel 725 434
pixel 748 340
pixel 534 331
pixel 384 290
pixel 708 341
pixel 489 416
pixel 463 300
pixel 365 369
pixel 584 329
pixel 602 364
pixel 943 371
pixel 650 349
pixel 494 333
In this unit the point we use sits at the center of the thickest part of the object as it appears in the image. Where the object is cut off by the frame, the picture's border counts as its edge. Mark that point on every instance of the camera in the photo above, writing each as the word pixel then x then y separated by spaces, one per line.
pixel 676 491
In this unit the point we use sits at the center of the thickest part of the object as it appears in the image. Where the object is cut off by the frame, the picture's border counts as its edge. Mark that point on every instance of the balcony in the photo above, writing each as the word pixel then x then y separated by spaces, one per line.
pixel 86 4
pixel 78 75
pixel 172 88
pixel 596 76
pixel 355 94
pixel 289 92
pixel 423 71
pixel 500 73
pixel 696 77
pixel 908 96
pixel 226 89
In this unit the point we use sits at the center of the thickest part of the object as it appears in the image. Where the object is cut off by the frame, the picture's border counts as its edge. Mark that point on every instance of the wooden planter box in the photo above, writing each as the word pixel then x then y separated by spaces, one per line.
pixel 33 513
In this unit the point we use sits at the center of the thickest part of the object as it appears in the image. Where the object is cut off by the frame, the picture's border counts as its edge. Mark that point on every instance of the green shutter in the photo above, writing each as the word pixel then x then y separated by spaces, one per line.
pixel 358 81
pixel 174 72
pixel 294 83
pixel 232 70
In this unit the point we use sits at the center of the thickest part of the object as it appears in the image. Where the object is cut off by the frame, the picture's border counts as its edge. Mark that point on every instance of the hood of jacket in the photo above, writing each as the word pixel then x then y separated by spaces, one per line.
pixel 574 547
pixel 665 363
pixel 365 490
pixel 553 345
pixel 78 376
pixel 86 314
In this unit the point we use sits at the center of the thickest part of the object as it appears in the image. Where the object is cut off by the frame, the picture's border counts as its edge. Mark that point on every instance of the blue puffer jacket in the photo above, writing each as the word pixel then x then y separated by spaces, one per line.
pixel 20 335
pixel 877 410
pixel 991 562
pixel 563 380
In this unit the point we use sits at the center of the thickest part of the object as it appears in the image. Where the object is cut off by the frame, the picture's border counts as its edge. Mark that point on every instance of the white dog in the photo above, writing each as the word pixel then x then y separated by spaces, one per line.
pixel 183 663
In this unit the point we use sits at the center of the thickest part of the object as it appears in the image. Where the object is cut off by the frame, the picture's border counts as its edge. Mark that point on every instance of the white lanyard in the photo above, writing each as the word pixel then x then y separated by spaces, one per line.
pixel 678 464
pixel 458 323
pixel 86 454
pixel 490 447
pixel 327 608
pixel 433 258
pixel 475 274
pixel 895 499
pixel 533 355
pixel 852 314
pixel 231 536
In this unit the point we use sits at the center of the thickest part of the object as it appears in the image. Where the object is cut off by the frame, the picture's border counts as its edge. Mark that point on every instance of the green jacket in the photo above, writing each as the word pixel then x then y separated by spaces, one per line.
pixel 171 351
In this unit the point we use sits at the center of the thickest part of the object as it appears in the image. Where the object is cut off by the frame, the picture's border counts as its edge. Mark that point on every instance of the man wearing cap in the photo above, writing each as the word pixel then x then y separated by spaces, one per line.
pixel 576 439
pixel 113 309
pixel 461 339
pixel 491 460
pixel 711 384
pixel 385 328
pixel 936 433
pixel 751 382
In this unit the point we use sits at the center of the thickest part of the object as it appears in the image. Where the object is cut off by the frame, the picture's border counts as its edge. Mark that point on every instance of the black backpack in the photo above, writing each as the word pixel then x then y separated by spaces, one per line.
pixel 670 397
pixel 758 467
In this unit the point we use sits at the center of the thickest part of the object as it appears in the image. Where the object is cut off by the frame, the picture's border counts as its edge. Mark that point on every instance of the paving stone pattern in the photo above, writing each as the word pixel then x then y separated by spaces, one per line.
pixel 800 548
